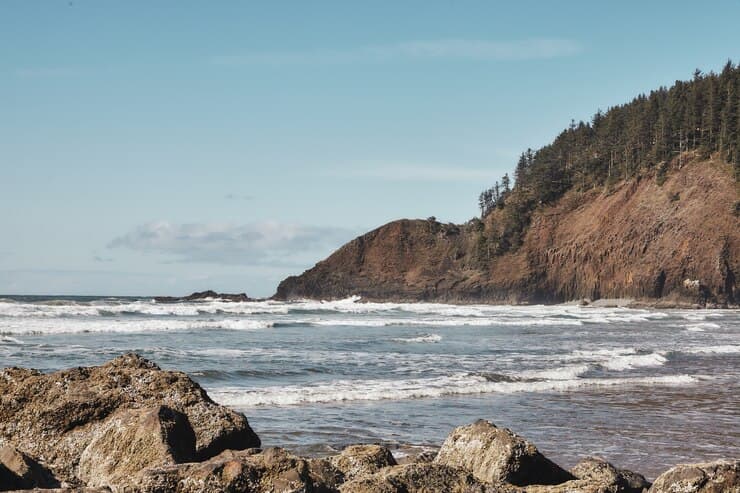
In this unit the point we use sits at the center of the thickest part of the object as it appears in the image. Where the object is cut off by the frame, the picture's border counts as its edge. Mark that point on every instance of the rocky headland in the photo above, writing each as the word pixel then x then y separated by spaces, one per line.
pixel 128 426
pixel 668 239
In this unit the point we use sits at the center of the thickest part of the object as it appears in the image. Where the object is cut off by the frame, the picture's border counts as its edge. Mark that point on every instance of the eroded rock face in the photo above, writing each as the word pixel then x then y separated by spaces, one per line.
pixel 713 477
pixel 19 471
pixel 497 455
pixel 273 470
pixel 359 460
pixel 598 470
pixel 132 440
pixel 420 478
pixel 55 417
pixel 572 249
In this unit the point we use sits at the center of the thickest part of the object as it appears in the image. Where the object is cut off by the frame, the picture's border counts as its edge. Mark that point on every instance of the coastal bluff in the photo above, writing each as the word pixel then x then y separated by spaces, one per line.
pixel 670 238
pixel 129 426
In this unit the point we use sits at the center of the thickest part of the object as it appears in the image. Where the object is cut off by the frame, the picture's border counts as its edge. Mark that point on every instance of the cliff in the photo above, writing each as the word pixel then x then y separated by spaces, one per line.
pixel 671 235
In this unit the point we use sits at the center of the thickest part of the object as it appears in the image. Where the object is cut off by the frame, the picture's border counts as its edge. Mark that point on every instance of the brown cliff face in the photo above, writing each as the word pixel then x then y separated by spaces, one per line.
pixel 676 241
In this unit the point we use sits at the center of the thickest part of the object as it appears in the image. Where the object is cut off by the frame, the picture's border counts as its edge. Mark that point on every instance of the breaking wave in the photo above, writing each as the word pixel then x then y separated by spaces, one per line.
pixel 375 390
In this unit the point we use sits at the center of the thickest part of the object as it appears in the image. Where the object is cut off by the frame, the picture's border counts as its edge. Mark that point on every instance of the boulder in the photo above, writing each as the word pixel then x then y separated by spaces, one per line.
pixel 56 416
pixel 273 470
pixel 420 478
pixel 597 470
pixel 19 471
pixel 132 440
pixel 573 486
pixel 358 460
pixel 497 455
pixel 713 477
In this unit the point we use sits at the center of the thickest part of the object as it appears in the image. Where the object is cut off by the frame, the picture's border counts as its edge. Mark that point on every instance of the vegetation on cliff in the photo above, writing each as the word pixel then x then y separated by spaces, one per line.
pixel 627 141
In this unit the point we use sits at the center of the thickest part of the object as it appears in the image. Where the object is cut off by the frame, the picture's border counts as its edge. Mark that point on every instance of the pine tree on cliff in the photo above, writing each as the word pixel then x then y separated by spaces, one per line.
pixel 644 136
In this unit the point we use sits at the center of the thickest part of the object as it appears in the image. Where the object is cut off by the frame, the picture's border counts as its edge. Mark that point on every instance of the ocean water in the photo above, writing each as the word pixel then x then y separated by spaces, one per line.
pixel 645 389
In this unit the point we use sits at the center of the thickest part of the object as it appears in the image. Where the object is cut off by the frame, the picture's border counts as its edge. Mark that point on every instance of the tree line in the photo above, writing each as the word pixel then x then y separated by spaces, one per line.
pixel 645 134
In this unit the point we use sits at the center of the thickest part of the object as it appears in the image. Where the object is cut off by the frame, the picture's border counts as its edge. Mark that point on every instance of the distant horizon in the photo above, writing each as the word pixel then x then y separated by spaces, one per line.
pixel 176 147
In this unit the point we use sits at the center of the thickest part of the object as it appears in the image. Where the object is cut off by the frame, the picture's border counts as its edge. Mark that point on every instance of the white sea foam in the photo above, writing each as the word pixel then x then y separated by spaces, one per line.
pixel 631 361
pixel 701 327
pixel 433 322
pixel 85 325
pixel 722 349
pixel 562 313
pixel 619 359
pixel 102 308
pixel 564 373
pixel 374 390
pixel 10 340
pixel 419 338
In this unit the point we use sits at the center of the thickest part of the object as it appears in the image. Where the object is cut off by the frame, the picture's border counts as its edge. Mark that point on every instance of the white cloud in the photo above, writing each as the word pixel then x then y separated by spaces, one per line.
pixel 260 243
pixel 451 49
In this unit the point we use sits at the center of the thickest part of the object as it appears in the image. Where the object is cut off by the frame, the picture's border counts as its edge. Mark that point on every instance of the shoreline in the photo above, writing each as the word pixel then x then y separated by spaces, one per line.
pixel 128 425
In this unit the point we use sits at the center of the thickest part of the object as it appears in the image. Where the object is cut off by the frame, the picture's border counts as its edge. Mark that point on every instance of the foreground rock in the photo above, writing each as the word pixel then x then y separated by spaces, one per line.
pixel 19 471
pixel 498 455
pixel 132 440
pixel 129 427
pixel 598 471
pixel 361 460
pixel 421 478
pixel 273 470
pixel 714 477
pixel 108 420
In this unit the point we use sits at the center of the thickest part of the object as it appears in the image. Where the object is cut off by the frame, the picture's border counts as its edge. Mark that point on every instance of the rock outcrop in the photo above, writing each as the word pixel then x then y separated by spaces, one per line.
pixel 420 478
pixel 253 471
pixel 497 455
pixel 66 417
pixel 639 239
pixel 713 477
pixel 361 460
pixel 596 470
pixel 204 295
pixel 132 440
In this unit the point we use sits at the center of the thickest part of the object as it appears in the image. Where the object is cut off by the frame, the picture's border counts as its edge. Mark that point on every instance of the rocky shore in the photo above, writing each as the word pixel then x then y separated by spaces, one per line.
pixel 128 426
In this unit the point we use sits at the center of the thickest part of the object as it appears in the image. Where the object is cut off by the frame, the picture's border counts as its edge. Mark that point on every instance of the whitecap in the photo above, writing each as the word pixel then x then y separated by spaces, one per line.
pixel 10 340
pixel 375 390
pixel 701 327
pixel 96 325
pixel 629 362
pixel 722 349
pixel 424 338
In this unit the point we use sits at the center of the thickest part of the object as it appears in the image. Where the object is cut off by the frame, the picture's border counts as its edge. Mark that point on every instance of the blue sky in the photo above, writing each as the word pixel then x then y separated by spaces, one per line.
pixel 164 147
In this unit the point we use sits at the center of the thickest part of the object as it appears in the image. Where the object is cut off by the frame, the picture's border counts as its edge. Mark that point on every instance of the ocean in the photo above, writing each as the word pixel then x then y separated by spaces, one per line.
pixel 645 389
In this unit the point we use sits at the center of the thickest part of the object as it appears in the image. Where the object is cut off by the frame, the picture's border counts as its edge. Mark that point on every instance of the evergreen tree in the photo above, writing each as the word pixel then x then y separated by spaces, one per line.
pixel 647 135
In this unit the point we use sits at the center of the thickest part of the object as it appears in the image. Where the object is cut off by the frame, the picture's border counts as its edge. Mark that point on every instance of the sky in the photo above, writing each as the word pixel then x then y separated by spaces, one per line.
pixel 165 147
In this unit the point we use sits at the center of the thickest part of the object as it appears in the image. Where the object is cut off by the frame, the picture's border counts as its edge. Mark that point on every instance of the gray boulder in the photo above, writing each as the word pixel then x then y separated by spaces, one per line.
pixel 358 460
pixel 497 455
pixel 598 470
pixel 712 477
